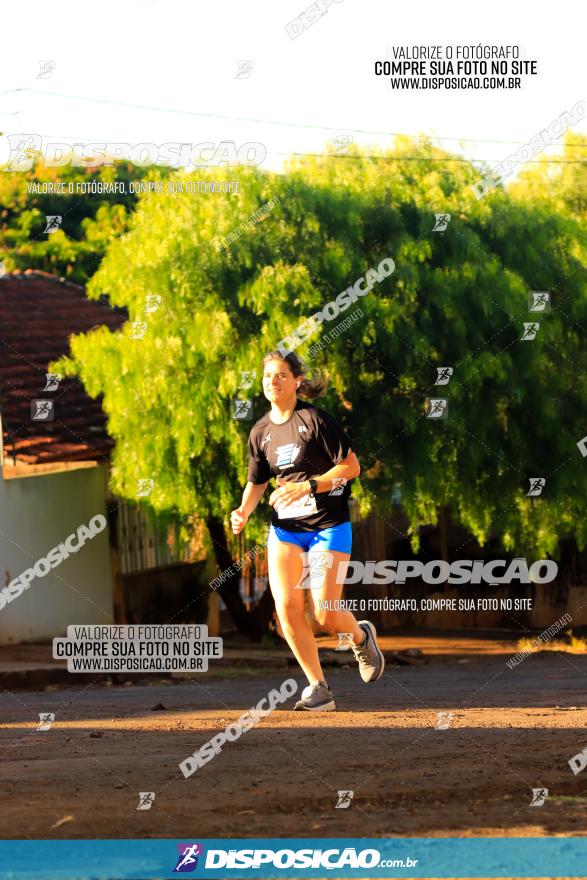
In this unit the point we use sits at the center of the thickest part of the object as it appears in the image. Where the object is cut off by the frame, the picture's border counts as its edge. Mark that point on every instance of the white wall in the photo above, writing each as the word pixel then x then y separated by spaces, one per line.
pixel 36 514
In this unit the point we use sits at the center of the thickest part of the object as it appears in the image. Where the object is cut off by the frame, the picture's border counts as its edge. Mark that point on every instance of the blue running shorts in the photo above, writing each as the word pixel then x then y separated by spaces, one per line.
pixel 338 538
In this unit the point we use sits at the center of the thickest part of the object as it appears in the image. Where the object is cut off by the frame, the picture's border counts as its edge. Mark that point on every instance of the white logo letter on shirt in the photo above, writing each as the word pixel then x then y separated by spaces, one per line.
pixel 286 454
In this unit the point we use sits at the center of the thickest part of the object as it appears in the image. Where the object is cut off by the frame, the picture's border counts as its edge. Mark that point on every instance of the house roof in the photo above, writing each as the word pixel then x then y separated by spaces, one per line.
pixel 38 314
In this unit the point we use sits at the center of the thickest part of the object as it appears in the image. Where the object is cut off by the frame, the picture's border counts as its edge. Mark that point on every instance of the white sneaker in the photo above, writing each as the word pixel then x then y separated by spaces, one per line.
pixel 371 660
pixel 316 698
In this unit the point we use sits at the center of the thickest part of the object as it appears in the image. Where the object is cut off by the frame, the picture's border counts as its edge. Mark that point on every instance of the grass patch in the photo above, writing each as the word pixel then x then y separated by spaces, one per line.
pixel 564 797
pixel 570 644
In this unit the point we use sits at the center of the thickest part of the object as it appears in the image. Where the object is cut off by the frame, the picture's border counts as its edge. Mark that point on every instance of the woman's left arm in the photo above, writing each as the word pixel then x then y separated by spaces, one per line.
pixel 348 469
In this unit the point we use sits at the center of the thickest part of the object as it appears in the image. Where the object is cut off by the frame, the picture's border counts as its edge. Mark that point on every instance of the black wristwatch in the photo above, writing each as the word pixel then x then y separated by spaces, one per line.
pixel 313 488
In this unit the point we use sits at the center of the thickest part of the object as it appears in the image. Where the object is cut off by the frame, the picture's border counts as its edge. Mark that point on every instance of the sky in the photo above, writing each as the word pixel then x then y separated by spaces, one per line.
pixel 180 60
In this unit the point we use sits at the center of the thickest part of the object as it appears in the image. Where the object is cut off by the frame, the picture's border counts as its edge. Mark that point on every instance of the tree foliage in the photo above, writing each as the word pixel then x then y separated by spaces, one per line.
pixel 457 298
pixel 89 223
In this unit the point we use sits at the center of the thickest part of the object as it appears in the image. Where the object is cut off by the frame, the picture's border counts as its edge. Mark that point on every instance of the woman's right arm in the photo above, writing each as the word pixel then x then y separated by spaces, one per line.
pixel 251 497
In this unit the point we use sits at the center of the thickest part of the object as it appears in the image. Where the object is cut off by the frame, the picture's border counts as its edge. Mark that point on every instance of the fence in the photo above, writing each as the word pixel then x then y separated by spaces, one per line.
pixel 146 542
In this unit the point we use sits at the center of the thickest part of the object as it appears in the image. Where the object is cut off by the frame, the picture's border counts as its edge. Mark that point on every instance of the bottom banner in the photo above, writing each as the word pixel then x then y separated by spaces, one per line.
pixel 293 857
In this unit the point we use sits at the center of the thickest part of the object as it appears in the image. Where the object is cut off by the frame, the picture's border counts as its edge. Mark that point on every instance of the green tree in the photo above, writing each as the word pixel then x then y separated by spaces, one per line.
pixel 457 298
pixel 561 183
pixel 90 220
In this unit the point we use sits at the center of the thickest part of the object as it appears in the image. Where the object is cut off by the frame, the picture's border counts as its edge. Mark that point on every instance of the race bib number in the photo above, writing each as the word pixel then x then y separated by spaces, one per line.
pixel 302 507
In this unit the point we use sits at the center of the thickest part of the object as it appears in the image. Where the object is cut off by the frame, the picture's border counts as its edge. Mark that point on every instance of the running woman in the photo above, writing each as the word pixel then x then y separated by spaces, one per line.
pixel 311 458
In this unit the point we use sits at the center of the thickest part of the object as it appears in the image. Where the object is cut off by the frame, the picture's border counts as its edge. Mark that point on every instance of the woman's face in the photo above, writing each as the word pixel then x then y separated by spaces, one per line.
pixel 279 383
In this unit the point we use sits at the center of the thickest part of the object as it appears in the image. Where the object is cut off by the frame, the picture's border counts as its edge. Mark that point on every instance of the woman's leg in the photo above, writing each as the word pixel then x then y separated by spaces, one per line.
pixel 330 589
pixel 285 573
pixel 363 635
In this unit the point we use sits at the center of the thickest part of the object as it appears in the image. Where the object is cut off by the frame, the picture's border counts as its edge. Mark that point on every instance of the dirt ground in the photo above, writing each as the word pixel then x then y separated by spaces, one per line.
pixel 513 730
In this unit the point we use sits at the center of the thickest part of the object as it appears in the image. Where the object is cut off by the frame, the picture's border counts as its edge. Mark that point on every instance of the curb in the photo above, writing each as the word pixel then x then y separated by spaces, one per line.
pixel 42 677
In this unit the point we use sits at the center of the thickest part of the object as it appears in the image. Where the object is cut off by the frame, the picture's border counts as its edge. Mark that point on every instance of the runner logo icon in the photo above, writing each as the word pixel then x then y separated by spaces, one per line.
pixel 539 795
pixel 344 800
pixel 338 484
pixel 315 567
pixel 187 860
pixel 539 301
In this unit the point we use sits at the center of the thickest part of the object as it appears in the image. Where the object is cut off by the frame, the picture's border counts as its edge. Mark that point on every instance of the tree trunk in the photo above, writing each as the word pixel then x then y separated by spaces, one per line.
pixel 265 609
pixel 253 624
pixel 443 523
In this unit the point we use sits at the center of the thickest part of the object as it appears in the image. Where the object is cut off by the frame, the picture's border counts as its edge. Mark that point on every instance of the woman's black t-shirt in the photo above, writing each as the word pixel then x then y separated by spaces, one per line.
pixel 307 445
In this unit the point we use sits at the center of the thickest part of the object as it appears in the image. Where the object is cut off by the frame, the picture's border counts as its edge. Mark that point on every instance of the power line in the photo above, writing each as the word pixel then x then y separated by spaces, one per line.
pixel 78 141
pixel 431 159
pixel 263 121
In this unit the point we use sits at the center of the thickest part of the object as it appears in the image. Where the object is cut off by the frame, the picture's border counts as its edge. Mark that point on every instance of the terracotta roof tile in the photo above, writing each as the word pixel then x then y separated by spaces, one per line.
pixel 38 314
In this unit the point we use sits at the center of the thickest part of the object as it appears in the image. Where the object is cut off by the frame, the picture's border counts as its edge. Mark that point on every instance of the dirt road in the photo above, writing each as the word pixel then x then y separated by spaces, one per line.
pixel 513 730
